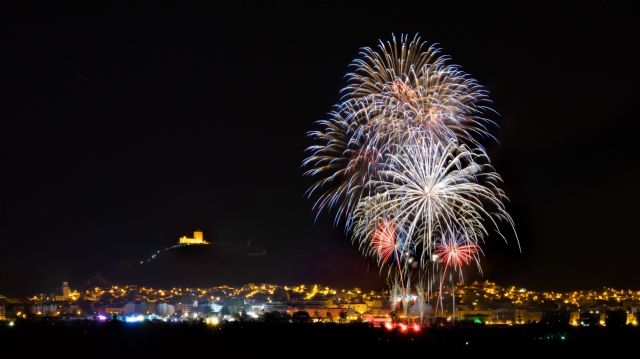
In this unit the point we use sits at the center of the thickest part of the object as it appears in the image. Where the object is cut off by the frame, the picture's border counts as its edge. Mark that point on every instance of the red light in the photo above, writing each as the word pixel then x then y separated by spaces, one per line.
pixel 403 327
pixel 388 325
pixel 416 327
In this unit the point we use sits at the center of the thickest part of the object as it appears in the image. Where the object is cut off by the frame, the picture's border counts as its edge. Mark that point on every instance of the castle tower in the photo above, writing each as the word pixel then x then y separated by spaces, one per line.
pixel 66 292
pixel 198 238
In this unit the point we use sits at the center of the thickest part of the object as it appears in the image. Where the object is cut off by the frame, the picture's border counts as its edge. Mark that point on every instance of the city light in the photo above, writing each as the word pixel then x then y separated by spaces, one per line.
pixel 213 321
pixel 134 319
pixel 475 303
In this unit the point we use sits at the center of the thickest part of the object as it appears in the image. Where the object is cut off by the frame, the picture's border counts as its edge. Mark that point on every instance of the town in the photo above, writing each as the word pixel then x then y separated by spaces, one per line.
pixel 484 303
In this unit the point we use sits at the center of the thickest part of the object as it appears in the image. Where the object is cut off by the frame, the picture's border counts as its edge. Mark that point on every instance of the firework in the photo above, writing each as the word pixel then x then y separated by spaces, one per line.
pixel 431 188
pixel 455 252
pixel 403 87
pixel 399 159
pixel 384 241
pixel 344 165
pixel 406 84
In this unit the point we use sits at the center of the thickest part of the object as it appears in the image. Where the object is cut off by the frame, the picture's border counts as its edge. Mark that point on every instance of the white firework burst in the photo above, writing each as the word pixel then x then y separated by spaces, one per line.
pixel 431 189
pixel 407 84
pixel 344 166
pixel 400 160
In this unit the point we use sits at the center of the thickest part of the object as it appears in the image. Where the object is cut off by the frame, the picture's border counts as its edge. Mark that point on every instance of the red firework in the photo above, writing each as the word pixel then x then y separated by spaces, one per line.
pixel 456 252
pixel 384 240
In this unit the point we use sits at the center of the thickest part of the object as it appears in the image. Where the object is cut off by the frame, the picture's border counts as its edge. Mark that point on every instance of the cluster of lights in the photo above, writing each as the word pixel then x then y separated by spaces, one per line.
pixel 212 321
pixel 214 293
pixel 134 318
pixel 492 292
pixel 403 327
pixel 476 294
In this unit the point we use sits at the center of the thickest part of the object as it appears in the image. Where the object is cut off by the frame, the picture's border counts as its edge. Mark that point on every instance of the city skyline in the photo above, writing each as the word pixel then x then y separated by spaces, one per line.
pixel 121 135
pixel 484 303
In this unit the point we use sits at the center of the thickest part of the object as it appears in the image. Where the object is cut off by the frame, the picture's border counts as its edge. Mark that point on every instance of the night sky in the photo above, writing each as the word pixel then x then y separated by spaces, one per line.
pixel 124 127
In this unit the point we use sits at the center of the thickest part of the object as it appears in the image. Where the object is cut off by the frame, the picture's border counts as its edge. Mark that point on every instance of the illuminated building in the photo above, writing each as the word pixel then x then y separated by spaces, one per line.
pixel 214 307
pixel 114 310
pixel 2 313
pixel 136 308
pixel 359 308
pixel 65 289
pixel 474 315
pixel 376 307
pixel 165 309
pixel 331 315
pixel 574 318
pixel 46 310
pixel 198 238
pixel 503 316
pixel 183 308
pixel 67 294
pixel 530 315
pixel 275 306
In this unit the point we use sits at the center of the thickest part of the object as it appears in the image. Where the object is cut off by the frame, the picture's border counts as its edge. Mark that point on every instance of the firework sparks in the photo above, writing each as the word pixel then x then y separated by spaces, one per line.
pixel 431 187
pixel 403 87
pixel 344 165
pixel 454 252
pixel 384 241
pixel 405 84
pixel 399 160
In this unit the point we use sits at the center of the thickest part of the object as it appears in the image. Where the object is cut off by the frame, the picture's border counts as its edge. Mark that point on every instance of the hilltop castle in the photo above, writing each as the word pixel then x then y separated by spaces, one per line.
pixel 198 238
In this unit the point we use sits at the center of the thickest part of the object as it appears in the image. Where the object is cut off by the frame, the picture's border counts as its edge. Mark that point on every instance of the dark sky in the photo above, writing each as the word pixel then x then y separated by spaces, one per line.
pixel 125 126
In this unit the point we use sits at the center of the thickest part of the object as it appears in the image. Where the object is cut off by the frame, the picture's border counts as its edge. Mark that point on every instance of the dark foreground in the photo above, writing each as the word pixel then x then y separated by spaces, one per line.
pixel 89 339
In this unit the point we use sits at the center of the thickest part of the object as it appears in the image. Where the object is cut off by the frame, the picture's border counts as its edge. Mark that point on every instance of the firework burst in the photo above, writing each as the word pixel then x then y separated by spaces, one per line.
pixel 429 188
pixel 399 160
pixel 344 166
pixel 401 88
pixel 407 84
pixel 454 252
pixel 384 242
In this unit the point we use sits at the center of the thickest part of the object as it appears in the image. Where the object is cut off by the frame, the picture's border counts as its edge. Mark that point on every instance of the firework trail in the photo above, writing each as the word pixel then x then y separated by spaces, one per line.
pixel 454 252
